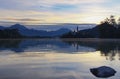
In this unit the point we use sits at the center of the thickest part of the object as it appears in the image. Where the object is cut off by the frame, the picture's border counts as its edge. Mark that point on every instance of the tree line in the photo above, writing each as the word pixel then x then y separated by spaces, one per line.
pixel 109 28
pixel 10 33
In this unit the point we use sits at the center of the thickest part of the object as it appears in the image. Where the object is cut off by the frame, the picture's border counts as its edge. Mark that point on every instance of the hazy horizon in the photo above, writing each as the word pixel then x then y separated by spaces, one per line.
pixel 56 26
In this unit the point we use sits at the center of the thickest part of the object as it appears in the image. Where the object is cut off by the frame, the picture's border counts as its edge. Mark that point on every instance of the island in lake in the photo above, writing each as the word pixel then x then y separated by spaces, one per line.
pixel 107 29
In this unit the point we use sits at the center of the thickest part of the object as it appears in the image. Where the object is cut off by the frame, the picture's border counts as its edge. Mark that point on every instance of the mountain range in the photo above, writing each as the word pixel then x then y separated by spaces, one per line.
pixel 104 30
pixel 24 31
pixel 51 27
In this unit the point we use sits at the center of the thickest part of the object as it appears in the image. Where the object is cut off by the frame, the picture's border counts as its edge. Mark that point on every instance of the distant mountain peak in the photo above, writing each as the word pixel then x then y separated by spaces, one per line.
pixel 18 26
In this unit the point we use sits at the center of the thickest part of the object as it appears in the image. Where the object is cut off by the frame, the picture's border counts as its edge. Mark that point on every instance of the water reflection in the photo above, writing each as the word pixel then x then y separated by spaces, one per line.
pixel 38 45
pixel 107 48
pixel 56 58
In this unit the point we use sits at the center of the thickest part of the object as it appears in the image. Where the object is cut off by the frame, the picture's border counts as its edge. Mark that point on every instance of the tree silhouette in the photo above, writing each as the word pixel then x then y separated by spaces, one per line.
pixel 10 33
pixel 119 21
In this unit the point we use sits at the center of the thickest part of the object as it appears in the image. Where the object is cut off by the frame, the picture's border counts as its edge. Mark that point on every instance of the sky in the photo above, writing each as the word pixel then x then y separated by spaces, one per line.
pixel 35 12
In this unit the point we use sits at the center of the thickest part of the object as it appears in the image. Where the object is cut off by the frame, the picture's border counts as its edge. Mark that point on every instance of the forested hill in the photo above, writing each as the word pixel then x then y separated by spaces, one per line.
pixel 107 29
pixel 104 30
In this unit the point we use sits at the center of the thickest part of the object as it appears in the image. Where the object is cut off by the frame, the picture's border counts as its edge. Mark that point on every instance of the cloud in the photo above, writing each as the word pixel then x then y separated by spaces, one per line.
pixel 35 4
pixel 57 11
pixel 24 19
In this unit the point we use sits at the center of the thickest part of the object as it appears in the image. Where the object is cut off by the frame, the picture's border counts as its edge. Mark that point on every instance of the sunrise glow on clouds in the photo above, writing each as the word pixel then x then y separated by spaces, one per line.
pixel 57 11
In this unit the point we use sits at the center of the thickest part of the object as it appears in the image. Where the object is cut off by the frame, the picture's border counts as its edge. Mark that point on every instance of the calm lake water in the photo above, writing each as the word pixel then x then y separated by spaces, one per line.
pixel 57 59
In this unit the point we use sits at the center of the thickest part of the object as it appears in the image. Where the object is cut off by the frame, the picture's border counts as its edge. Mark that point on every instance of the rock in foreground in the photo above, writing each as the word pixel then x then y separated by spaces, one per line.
pixel 103 71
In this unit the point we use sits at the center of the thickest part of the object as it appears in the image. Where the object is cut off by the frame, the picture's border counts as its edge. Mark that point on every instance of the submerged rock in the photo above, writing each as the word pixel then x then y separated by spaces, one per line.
pixel 103 71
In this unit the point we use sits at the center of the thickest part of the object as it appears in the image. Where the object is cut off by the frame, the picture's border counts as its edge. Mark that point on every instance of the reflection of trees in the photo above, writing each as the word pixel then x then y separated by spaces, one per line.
pixel 9 43
pixel 111 54
pixel 107 48
pixel 32 45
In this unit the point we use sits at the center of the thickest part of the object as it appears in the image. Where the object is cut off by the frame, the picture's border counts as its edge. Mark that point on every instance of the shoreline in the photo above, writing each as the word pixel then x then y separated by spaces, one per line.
pixel 65 39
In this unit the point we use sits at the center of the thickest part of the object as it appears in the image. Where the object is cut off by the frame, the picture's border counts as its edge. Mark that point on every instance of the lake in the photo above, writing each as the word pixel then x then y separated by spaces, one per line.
pixel 57 58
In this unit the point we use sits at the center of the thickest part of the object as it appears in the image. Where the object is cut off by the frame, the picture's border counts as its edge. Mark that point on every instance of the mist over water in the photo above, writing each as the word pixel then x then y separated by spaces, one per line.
pixel 57 58
pixel 51 27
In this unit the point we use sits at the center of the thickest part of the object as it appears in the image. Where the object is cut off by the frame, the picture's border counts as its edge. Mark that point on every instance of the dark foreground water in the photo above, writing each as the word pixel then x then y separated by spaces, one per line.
pixel 57 59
